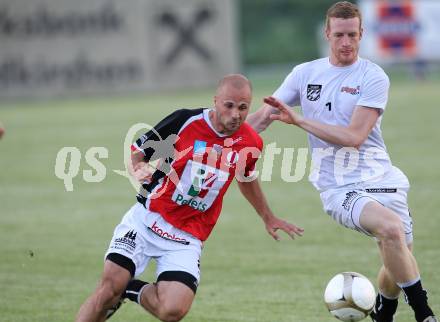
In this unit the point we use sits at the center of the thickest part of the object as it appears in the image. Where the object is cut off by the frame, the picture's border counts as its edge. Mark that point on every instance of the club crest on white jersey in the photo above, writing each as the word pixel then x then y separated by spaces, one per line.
pixel 313 92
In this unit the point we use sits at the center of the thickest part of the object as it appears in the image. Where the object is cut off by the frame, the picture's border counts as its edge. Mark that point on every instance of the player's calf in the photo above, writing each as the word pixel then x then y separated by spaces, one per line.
pixel 114 308
pixel 96 307
pixel 107 296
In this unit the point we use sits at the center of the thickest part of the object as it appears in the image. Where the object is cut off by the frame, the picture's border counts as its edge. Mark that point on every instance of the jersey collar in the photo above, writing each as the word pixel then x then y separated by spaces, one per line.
pixel 356 63
pixel 208 121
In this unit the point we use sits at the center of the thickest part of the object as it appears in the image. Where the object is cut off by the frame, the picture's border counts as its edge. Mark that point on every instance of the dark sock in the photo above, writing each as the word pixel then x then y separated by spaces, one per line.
pixel 133 289
pixel 384 308
pixel 417 298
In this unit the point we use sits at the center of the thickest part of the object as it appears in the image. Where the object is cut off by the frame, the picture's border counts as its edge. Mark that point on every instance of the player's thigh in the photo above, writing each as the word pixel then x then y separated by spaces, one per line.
pixel 362 211
pixel 397 201
pixel 380 221
pixel 175 296
pixel 345 207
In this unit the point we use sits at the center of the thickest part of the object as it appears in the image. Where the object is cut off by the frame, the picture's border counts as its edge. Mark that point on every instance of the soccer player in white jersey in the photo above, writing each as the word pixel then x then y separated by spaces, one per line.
pixel 343 98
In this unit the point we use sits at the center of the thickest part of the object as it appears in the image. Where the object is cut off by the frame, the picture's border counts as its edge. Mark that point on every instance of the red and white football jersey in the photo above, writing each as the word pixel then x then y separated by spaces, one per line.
pixel 198 166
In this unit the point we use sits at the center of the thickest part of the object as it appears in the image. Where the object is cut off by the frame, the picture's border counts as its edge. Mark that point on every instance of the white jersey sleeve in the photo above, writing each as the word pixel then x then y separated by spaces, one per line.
pixel 290 92
pixel 375 88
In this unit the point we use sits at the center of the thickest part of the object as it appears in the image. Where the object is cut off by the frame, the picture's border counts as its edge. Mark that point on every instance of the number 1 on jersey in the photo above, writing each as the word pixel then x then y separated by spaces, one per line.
pixel 329 105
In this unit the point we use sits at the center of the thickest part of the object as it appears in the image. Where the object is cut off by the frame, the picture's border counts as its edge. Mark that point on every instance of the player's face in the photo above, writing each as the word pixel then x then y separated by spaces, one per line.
pixel 344 36
pixel 231 109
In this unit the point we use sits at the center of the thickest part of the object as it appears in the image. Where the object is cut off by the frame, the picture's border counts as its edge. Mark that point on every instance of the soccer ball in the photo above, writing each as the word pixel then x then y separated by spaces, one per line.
pixel 350 296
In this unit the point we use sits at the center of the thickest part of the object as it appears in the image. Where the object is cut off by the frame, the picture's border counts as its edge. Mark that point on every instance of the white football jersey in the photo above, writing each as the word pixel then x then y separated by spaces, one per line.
pixel 329 94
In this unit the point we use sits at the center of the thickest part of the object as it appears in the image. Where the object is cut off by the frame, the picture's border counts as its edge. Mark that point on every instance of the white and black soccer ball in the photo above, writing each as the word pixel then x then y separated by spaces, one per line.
pixel 350 296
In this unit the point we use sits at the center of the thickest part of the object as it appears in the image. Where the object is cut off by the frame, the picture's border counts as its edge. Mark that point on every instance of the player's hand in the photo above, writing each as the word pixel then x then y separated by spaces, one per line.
pixel 143 172
pixel 273 224
pixel 286 114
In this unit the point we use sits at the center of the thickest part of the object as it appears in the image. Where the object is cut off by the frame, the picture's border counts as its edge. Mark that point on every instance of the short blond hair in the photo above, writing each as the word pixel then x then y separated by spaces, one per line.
pixel 344 10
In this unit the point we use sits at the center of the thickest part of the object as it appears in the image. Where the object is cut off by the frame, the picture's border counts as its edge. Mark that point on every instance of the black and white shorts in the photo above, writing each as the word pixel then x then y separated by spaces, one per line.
pixel 143 235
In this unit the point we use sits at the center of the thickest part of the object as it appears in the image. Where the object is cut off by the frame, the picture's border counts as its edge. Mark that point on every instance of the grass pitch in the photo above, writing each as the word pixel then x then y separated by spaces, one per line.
pixel 53 241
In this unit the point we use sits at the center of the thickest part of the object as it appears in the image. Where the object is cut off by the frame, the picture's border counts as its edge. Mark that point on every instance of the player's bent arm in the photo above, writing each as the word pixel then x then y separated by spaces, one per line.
pixel 260 119
pixel 362 121
pixel 252 191
pixel 138 168
pixel 354 135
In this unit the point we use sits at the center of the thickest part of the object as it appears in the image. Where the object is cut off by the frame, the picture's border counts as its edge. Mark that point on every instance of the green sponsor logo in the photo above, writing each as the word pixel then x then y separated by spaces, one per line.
pixel 198 205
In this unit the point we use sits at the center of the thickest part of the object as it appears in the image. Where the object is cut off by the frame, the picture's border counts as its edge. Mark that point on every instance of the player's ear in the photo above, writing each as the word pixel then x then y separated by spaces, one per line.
pixel 361 33
pixel 327 33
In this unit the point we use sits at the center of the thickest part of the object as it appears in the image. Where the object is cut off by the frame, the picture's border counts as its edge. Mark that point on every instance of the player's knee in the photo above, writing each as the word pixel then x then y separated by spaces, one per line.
pixel 391 230
pixel 171 316
pixel 171 313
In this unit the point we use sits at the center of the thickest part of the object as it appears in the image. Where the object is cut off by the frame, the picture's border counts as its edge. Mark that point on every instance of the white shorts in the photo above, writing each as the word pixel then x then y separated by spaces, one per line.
pixel 345 204
pixel 143 235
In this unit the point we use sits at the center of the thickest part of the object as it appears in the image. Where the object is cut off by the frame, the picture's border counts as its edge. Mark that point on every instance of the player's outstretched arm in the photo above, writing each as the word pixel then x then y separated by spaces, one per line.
pixel 260 119
pixel 253 193
pixel 353 135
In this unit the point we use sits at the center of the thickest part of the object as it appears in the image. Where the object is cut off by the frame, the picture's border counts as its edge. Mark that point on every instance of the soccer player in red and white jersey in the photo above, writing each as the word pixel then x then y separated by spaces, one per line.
pixel 343 98
pixel 200 151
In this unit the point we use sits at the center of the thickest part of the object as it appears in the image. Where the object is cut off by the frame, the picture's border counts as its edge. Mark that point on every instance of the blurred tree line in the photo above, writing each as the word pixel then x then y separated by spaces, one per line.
pixel 280 31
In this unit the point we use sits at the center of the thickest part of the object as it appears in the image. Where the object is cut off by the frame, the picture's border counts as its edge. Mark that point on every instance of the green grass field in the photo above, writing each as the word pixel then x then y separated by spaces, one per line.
pixel 52 241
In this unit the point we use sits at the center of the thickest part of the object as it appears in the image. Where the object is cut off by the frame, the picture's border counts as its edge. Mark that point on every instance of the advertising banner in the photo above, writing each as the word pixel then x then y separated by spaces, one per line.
pixel 63 47
pixel 401 30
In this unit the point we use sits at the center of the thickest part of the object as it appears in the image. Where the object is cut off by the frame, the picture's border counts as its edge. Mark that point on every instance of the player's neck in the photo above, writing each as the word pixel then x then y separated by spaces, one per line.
pixel 217 125
pixel 334 61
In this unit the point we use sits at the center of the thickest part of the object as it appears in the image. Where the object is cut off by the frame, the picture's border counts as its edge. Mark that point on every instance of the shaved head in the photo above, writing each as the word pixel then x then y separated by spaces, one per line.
pixel 235 81
pixel 232 102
